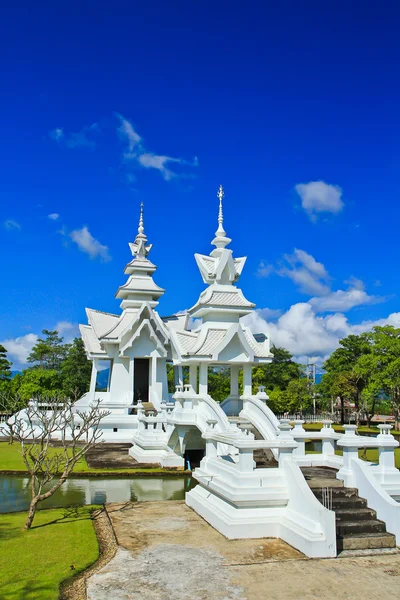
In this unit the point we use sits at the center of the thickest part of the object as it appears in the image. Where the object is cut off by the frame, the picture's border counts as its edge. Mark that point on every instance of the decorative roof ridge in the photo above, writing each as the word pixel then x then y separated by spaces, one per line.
pixel 186 333
pixel 103 312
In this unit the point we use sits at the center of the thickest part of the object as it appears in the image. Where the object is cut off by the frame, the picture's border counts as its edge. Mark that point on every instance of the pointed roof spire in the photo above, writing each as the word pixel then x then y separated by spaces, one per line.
pixel 220 240
pixel 140 248
pixel 141 222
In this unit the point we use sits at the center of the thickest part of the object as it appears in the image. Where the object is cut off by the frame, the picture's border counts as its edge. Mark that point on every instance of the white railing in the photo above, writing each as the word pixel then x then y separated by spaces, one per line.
pixel 278 501
pixel 308 418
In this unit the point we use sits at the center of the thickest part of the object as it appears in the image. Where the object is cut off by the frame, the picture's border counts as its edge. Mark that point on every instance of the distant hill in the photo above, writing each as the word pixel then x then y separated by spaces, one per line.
pixel 102 378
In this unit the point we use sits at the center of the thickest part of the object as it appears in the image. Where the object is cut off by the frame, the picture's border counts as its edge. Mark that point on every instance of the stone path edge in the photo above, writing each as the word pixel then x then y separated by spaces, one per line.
pixel 75 588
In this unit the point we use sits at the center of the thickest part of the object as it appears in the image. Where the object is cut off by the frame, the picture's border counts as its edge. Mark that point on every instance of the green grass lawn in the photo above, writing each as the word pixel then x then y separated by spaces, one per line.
pixel 33 563
pixel 11 460
pixel 371 455
pixel 339 429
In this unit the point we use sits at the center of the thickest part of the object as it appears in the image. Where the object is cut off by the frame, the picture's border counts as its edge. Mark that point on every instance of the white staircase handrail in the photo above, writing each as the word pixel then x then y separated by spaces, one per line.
pixel 387 509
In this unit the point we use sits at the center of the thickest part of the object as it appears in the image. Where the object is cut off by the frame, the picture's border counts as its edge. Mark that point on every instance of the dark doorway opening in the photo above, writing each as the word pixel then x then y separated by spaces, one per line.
pixel 193 457
pixel 141 372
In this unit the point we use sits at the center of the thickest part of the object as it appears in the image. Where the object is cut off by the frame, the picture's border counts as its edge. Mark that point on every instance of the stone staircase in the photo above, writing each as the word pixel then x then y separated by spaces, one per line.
pixel 357 528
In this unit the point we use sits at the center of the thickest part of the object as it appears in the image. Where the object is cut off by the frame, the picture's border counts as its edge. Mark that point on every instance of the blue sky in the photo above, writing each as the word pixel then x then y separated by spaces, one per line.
pixel 292 106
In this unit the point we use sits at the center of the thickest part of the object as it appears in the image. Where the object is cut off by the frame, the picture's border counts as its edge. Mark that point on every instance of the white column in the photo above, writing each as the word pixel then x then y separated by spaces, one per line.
pixel 178 376
pixel 153 374
pixel 247 379
pixel 234 380
pixel 93 377
pixel 153 380
pixel 203 378
pixel 193 377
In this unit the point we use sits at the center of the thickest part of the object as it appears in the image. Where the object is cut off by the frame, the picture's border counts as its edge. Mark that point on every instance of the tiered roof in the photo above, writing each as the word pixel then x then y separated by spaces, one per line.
pixel 140 286
pixel 220 306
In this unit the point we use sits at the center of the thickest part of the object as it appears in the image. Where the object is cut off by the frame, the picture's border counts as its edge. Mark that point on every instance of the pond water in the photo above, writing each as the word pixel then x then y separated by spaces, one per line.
pixel 15 493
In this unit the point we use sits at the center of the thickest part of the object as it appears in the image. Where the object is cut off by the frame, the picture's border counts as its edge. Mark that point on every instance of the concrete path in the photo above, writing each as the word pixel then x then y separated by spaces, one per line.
pixel 167 552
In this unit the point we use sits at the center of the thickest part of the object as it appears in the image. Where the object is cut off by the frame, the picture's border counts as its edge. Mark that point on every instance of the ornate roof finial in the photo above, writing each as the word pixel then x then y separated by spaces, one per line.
pixel 140 248
pixel 141 223
pixel 220 195
pixel 220 239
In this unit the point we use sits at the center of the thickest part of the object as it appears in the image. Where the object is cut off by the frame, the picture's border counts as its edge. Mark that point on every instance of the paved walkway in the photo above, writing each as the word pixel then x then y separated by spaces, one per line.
pixel 167 552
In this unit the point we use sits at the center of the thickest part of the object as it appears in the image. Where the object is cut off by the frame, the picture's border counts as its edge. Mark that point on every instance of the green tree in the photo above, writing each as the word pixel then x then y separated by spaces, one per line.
pixel 5 370
pixel 343 378
pixel 382 367
pixel 219 383
pixel 298 395
pixel 279 372
pixel 5 365
pixel 39 382
pixel 76 370
pixel 48 353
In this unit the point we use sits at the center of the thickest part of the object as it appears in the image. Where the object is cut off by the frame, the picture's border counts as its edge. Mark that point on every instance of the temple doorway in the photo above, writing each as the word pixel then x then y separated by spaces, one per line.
pixel 141 373
pixel 194 448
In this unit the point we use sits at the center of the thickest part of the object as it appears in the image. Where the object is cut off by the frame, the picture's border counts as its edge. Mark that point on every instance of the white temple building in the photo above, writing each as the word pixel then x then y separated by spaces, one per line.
pixel 137 344
pixel 233 494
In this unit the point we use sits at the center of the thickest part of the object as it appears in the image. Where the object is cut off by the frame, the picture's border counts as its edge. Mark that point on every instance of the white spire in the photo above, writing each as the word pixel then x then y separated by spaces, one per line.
pixel 141 222
pixel 140 248
pixel 220 240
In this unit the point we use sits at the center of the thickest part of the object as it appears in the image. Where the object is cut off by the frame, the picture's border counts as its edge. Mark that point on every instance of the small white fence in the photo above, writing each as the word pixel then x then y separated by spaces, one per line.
pixel 308 418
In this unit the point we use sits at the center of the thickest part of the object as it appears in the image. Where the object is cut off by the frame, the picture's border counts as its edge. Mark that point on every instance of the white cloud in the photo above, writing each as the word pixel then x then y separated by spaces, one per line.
pixel 68 330
pixel 88 244
pixel 306 334
pixel 128 134
pixel 264 270
pixel 82 138
pixel 309 275
pixel 343 300
pixel 56 134
pixel 136 154
pixel 11 224
pixel 318 196
pixel 53 216
pixel 19 348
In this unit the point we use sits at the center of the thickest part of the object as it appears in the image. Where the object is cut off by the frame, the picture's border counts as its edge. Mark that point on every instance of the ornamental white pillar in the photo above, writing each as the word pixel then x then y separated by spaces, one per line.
pixel 178 376
pixel 235 380
pixel 153 376
pixel 193 377
pixel 203 378
pixel 247 379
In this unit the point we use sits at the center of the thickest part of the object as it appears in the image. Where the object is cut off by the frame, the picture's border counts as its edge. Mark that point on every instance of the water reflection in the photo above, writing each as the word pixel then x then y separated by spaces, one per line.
pixel 15 493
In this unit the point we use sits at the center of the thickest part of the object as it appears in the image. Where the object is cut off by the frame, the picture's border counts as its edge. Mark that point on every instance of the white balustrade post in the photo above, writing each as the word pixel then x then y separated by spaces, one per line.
pixel 261 393
pixel 386 471
pixel 350 446
pixel 178 397
pixel 328 443
pixel 285 434
pixel 211 445
pixel 139 408
pixel 187 397
pixel 298 428
pixel 246 460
